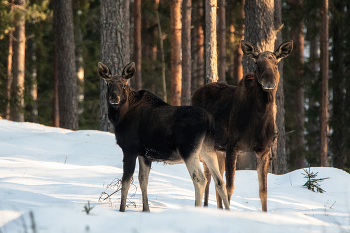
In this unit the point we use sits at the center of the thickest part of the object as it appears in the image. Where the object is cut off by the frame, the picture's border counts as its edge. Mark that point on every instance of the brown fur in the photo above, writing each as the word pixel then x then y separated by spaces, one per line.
pixel 245 115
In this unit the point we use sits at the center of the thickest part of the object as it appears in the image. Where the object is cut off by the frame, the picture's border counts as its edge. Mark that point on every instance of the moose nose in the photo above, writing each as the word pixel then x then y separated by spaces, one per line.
pixel 115 102
pixel 268 86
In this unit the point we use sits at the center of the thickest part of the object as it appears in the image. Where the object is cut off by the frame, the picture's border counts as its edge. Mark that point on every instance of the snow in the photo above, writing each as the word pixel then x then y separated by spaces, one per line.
pixel 52 173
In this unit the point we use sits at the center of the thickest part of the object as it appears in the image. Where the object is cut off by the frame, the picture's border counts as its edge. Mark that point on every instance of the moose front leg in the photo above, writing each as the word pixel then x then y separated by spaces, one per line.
pixel 129 162
pixel 263 158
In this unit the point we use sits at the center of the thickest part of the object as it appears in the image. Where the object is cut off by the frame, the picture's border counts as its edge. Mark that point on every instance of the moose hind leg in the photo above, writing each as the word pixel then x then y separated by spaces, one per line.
pixel 221 161
pixel 210 157
pixel 198 178
pixel 208 178
pixel 263 158
pixel 144 168
pixel 129 162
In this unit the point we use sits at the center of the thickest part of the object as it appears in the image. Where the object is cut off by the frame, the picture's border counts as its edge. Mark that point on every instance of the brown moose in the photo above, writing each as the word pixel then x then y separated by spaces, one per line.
pixel 245 115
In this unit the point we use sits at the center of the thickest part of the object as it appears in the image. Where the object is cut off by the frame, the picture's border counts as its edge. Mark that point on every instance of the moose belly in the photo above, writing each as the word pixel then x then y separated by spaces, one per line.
pixel 164 157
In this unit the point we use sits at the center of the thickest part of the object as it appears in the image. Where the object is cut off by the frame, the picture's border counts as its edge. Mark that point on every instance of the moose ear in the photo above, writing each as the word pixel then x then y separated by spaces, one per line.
pixel 103 70
pixel 249 50
pixel 129 70
pixel 284 50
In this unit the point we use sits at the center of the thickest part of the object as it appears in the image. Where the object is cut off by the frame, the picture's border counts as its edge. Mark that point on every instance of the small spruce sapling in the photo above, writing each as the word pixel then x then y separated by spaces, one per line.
pixel 312 182
pixel 88 208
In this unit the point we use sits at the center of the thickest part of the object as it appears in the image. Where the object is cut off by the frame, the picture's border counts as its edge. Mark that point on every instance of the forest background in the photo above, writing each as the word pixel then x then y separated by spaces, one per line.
pixel 36 71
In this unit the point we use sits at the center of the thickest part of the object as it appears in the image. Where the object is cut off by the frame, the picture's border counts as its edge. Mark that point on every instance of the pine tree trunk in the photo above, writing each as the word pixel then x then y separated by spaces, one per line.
pixel 279 161
pixel 155 36
pixel 313 128
pixel 31 106
pixel 338 81
pixel 222 42
pixel 194 52
pixel 186 53
pixel 298 139
pixel 259 29
pixel 55 107
pixel 176 70
pixel 200 45
pixel 238 54
pixel 137 45
pixel 211 56
pixel 112 49
pixel 324 102
pixel 127 30
pixel 9 68
pixel 65 61
pixel 19 67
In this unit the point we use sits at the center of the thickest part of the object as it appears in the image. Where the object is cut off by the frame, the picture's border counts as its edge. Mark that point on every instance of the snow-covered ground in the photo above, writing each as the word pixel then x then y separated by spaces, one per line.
pixel 51 174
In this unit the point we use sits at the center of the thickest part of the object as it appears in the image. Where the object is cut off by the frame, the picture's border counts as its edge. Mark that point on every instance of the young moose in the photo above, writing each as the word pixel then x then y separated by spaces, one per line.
pixel 148 128
pixel 245 115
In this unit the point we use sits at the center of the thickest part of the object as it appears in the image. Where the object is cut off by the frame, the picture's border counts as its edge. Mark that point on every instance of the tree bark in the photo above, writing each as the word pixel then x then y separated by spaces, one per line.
pixel 9 68
pixel 222 42
pixel 298 138
pixel 338 83
pixel 112 49
pixel 200 46
pixel 65 62
pixel 186 53
pixel 55 107
pixel 127 30
pixel 279 157
pixel 137 44
pixel 238 54
pixel 176 70
pixel 19 66
pixel 324 102
pixel 259 28
pixel 211 56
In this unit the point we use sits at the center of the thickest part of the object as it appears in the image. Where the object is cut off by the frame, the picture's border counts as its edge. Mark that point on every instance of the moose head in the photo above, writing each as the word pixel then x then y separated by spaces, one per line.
pixel 266 71
pixel 116 84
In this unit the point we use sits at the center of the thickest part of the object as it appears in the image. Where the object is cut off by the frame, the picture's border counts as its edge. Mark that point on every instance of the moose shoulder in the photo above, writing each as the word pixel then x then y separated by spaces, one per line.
pixel 149 129
pixel 245 115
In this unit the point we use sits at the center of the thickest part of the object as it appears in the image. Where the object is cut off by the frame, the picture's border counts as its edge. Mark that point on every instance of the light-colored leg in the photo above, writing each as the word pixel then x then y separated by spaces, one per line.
pixel 196 173
pixel 221 161
pixel 129 162
pixel 208 178
pixel 262 169
pixel 209 156
pixel 144 168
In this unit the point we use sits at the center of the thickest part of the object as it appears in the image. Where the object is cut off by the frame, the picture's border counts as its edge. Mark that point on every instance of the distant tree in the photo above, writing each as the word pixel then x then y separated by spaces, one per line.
pixel 112 49
pixel 237 53
pixel 9 66
pixel 337 66
pixel 211 56
pixel 176 70
pixel 186 53
pixel 325 69
pixel 298 137
pixel 222 41
pixel 65 63
pixel 19 45
pixel 200 44
pixel 279 161
pixel 137 45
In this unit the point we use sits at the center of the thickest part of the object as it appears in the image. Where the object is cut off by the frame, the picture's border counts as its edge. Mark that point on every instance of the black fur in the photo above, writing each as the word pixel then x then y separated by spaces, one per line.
pixel 147 127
